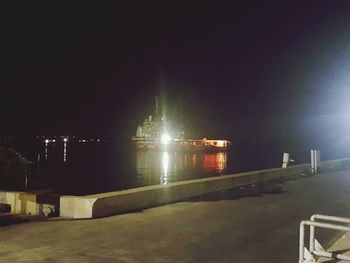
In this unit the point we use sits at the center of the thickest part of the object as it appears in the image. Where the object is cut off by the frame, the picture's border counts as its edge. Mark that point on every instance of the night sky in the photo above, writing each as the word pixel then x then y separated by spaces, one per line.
pixel 224 69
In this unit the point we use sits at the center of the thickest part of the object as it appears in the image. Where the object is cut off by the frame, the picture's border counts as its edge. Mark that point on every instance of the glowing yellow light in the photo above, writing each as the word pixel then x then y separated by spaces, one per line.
pixel 47 141
pixel 165 139
pixel 65 139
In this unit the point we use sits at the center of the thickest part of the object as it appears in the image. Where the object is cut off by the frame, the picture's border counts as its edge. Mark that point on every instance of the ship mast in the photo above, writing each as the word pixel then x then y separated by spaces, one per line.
pixel 156 100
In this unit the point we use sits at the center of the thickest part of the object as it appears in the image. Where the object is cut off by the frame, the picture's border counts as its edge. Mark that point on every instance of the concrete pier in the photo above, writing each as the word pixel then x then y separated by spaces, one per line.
pixel 219 228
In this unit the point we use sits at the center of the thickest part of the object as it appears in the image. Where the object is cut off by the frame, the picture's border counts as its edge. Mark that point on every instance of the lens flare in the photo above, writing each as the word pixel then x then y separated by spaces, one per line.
pixel 165 139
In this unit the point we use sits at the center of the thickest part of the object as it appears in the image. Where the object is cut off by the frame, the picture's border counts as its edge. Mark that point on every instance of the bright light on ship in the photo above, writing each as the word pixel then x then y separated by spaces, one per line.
pixel 165 139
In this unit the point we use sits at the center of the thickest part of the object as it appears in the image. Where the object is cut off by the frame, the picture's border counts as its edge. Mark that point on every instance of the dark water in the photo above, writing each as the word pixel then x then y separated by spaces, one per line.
pixel 81 168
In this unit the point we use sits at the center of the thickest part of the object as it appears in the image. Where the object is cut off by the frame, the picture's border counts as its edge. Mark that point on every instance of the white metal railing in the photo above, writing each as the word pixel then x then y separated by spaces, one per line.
pixel 315 249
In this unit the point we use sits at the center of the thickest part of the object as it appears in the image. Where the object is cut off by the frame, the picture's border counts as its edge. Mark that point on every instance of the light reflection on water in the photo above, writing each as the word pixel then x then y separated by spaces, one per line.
pixel 165 168
pixel 65 151
pixel 85 168
pixel 46 151
pixel 215 162
pixel 65 147
pixel 177 166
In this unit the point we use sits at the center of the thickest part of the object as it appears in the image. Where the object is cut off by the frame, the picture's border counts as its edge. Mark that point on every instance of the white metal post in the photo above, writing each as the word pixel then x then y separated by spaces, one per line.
pixel 313 161
pixel 312 235
pixel 285 160
pixel 318 161
pixel 301 241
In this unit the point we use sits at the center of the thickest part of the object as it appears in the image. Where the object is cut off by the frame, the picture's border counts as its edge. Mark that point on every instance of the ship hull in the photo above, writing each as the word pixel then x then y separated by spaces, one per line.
pixel 182 145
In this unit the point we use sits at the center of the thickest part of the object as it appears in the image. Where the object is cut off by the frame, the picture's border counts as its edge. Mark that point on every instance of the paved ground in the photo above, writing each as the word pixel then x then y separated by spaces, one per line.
pixel 218 228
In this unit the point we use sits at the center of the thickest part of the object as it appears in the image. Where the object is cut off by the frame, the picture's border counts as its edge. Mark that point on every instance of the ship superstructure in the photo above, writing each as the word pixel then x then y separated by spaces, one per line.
pixel 155 133
pixel 151 128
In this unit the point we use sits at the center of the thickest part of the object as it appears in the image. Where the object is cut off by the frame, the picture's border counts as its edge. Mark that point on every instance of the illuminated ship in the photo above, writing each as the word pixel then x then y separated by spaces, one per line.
pixel 154 134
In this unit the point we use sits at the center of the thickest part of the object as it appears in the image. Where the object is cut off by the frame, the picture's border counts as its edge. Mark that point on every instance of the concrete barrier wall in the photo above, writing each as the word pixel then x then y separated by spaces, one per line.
pixel 20 202
pixel 30 203
pixel 339 164
pixel 76 206
pixel 111 203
